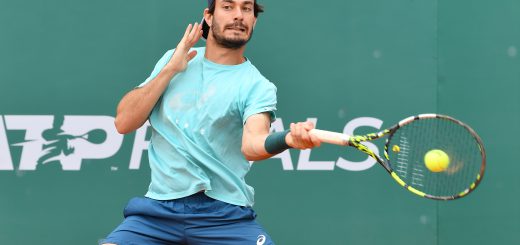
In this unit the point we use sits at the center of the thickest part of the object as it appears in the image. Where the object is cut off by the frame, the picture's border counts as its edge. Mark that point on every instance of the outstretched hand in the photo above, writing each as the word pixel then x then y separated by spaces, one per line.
pixel 182 56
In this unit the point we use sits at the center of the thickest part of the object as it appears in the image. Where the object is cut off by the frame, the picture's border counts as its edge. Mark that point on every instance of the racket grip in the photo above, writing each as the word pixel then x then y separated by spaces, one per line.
pixel 330 137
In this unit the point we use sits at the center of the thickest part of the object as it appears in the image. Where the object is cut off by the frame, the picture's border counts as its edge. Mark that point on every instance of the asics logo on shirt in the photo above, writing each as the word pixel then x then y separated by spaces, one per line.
pixel 261 240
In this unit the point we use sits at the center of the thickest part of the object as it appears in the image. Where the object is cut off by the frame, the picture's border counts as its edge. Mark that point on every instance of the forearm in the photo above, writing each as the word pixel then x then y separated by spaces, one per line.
pixel 256 131
pixel 254 148
pixel 135 107
pixel 265 146
pixel 258 144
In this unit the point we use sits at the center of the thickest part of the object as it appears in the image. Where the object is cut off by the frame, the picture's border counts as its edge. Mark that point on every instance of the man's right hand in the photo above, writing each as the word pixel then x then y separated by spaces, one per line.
pixel 300 138
pixel 181 57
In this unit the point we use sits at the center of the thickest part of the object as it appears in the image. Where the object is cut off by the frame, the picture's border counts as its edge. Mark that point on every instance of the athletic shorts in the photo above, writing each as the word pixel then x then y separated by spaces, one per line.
pixel 193 220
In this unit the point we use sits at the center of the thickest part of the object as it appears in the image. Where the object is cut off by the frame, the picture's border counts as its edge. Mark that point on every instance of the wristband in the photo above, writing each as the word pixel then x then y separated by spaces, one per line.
pixel 275 142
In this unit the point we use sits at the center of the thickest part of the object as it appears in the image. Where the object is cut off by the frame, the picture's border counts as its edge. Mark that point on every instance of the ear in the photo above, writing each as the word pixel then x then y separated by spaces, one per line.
pixel 208 17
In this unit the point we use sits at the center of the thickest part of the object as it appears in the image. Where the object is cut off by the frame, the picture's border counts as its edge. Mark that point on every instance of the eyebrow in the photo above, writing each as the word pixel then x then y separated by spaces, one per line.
pixel 232 1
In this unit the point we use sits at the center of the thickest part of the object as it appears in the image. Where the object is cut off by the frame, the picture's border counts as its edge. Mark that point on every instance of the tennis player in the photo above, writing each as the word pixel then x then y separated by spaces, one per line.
pixel 210 110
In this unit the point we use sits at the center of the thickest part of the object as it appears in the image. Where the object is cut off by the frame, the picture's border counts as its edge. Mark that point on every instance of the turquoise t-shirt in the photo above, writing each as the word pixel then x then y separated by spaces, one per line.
pixel 197 129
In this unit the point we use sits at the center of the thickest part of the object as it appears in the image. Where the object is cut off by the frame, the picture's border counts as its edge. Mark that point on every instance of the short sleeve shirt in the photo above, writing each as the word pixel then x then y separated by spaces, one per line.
pixel 197 129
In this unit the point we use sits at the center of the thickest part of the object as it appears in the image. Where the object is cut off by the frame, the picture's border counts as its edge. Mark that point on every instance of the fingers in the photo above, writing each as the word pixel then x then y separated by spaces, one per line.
pixel 295 135
pixel 192 54
pixel 187 32
pixel 308 125
pixel 182 54
pixel 301 138
pixel 315 141
pixel 191 36
pixel 305 138
pixel 194 32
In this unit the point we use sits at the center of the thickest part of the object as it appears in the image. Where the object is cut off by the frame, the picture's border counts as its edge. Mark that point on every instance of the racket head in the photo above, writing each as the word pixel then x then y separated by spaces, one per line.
pixel 410 140
pixel 95 136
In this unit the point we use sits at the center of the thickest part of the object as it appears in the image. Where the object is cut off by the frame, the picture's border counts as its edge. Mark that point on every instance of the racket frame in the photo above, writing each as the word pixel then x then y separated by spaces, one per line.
pixel 356 141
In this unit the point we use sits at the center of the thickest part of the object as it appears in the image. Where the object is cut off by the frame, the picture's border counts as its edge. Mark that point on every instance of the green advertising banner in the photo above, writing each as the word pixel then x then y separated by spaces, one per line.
pixel 349 66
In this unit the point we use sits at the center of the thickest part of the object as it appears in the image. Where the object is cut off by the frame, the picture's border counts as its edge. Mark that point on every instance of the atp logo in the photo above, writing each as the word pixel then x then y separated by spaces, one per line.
pixel 63 140
pixel 58 145
pixel 66 141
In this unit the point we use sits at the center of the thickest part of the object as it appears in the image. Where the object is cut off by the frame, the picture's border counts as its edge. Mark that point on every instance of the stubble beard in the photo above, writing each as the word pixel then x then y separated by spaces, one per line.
pixel 230 43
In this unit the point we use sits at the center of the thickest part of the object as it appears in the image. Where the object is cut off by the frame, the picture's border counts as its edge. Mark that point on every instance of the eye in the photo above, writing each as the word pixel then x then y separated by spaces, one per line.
pixel 248 9
pixel 227 7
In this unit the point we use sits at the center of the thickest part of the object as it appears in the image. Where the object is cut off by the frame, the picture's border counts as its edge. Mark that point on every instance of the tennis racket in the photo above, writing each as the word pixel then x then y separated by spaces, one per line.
pixel 408 158
pixel 95 136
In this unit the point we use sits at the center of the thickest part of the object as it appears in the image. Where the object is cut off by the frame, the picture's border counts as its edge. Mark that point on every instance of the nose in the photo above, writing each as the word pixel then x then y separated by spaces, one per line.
pixel 238 14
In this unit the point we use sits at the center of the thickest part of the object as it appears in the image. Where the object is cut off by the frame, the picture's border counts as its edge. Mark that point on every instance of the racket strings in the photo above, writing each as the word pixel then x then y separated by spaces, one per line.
pixel 417 138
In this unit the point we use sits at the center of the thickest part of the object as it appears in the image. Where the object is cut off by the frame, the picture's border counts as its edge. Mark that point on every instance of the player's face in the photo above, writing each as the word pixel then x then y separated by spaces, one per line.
pixel 233 22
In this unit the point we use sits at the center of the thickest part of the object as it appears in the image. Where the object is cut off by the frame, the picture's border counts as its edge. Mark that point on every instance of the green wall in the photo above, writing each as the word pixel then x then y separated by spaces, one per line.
pixel 340 63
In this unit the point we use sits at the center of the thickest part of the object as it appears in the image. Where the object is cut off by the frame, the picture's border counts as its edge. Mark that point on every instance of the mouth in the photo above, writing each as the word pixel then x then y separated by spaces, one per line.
pixel 237 28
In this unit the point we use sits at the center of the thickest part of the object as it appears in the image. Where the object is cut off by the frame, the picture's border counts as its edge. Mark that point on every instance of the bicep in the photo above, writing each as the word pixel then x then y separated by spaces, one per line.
pixel 256 128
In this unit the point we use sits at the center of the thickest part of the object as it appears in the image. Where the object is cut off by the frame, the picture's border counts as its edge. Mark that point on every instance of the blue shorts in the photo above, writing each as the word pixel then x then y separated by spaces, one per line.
pixel 193 220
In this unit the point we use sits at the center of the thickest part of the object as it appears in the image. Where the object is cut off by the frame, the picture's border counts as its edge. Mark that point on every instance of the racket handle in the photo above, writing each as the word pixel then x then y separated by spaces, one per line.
pixel 330 137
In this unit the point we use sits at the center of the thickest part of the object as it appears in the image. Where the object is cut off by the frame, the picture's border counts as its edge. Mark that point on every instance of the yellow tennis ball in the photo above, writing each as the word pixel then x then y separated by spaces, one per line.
pixel 436 160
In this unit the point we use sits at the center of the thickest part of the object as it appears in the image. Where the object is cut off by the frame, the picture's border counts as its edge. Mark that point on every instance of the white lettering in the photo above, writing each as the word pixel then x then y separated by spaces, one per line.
pixel 68 139
pixel 140 145
pixel 6 161
pixel 349 130
pixel 305 164
pixel 285 156
pixel 32 147
pixel 89 128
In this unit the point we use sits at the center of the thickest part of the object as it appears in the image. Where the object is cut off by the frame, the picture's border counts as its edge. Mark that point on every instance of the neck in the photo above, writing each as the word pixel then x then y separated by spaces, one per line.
pixel 224 56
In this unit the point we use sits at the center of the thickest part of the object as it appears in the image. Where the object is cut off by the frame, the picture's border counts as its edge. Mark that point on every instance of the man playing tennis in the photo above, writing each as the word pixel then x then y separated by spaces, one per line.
pixel 210 110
